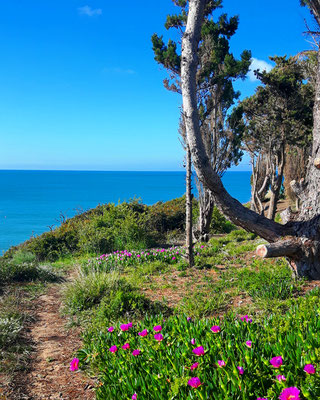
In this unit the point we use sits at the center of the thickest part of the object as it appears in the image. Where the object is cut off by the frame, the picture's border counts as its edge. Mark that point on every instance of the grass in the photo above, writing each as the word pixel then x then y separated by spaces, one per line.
pixel 226 282
pixel 155 286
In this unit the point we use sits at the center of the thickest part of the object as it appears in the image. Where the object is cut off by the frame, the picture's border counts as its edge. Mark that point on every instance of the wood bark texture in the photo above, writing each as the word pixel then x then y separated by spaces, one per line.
pixel 301 235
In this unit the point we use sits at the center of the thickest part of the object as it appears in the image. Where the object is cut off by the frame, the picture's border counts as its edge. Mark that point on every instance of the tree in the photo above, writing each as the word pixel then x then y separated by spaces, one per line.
pixel 299 238
pixel 277 116
pixel 217 68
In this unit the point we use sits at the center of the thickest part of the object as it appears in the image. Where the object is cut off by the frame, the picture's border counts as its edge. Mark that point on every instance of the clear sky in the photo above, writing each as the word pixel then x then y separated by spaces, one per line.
pixel 80 90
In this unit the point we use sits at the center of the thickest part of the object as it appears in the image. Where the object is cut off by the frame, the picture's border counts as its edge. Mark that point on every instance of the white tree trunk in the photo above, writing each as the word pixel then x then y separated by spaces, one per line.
pixel 305 233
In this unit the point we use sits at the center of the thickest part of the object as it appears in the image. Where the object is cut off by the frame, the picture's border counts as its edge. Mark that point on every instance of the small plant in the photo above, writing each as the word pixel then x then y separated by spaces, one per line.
pixel 182 358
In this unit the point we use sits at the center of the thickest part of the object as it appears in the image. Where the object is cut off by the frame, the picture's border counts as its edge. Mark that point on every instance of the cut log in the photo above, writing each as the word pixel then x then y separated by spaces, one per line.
pixel 317 163
pixel 278 249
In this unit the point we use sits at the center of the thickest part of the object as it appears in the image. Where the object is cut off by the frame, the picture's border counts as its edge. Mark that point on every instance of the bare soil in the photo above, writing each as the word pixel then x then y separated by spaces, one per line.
pixel 49 376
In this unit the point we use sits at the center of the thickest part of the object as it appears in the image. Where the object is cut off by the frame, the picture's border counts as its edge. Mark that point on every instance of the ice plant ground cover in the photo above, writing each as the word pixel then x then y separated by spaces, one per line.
pixel 193 361
pixel 127 258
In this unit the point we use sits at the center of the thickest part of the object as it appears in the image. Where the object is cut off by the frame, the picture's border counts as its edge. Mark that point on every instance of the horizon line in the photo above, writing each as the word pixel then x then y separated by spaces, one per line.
pixel 98 170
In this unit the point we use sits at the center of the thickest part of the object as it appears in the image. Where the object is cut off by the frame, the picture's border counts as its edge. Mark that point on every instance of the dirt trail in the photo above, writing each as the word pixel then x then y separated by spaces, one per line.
pixel 49 376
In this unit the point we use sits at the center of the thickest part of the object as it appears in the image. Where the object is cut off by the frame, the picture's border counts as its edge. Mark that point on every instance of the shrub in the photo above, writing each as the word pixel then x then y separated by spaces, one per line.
pixel 10 329
pixel 22 267
pixel 219 223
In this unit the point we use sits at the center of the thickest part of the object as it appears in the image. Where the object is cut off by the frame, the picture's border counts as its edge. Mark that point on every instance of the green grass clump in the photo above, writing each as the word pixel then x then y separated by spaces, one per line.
pixel 161 370
pixel 110 295
pixel 23 267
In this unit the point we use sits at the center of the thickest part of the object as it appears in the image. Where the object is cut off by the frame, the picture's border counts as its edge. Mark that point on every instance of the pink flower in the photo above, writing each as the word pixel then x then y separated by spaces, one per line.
pixel 221 363
pixel 138 255
pixel 194 366
pixel 173 258
pixel 136 352
pixel 309 369
pixel 113 349
pixel 74 365
pixel 189 319
pixel 215 328
pixel 193 341
pixel 276 362
pixel 241 370
pixel 111 329
pixel 134 396
pixel 281 378
pixel 290 393
pixel 126 346
pixel 126 327
pixel 157 328
pixel 198 351
pixel 143 333
pixel 246 318
pixel 249 344
pixel 194 382
pixel 158 337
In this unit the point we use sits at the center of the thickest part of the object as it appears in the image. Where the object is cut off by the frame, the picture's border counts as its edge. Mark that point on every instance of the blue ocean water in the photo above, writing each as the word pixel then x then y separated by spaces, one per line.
pixel 31 201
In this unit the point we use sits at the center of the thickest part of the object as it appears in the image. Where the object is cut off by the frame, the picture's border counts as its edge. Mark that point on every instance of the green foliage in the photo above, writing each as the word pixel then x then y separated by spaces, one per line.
pixel 162 369
pixel 219 223
pixel 10 328
pixel 111 296
pixel 22 267
pixel 88 290
pixel 107 228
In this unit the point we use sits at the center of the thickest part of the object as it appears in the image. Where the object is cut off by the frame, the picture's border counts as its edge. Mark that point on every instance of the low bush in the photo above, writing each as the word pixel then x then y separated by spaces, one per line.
pixel 22 267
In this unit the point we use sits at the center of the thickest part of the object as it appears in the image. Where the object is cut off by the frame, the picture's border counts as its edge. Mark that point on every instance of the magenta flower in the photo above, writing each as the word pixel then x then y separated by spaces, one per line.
pixel 126 346
pixel 262 398
pixel 290 393
pixel 158 337
pixel 138 255
pixel 173 258
pixel 143 333
pixel 189 319
pixel 194 366
pixel 113 349
pixel 198 351
pixel 124 327
pixel 136 352
pixel 111 329
pixel 309 369
pixel 246 318
pixel 129 324
pixel 249 344
pixel 221 363
pixel 241 370
pixel 281 378
pixel 134 396
pixel 74 365
pixel 276 362
pixel 194 382
pixel 193 341
pixel 215 329
pixel 157 328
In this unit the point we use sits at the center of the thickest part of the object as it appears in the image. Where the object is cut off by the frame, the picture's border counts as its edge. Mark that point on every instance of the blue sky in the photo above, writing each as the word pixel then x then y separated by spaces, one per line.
pixel 80 90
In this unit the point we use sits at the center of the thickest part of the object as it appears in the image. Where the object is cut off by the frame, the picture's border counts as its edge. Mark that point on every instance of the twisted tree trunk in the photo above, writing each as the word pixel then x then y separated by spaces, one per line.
pixel 206 206
pixel 298 240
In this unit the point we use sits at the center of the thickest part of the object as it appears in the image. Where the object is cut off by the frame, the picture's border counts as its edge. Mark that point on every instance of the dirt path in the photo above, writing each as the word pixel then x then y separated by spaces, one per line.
pixel 49 376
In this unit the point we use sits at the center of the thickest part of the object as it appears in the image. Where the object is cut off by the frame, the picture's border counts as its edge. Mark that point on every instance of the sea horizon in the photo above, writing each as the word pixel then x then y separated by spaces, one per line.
pixel 32 201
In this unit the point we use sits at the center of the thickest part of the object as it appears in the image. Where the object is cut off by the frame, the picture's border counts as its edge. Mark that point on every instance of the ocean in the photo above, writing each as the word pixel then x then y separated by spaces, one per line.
pixel 33 201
